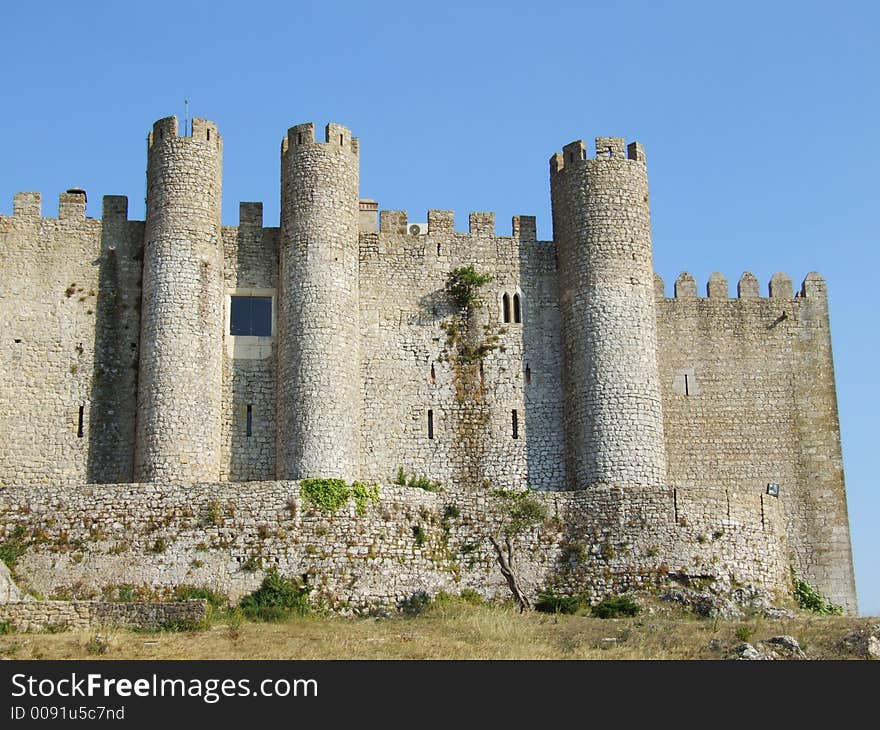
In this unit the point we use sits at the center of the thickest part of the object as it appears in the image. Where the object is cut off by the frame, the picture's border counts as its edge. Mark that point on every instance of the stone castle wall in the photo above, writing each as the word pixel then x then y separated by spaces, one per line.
pixel 86 541
pixel 412 368
pixel 759 406
pixel 78 615
pixel 746 385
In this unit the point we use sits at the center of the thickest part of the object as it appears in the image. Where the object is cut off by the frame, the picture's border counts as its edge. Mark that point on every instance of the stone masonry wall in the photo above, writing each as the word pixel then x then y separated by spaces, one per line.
pixel 250 265
pixel 748 399
pixel 602 229
pixel 78 615
pixel 87 541
pixel 410 366
pixel 318 361
pixel 179 389
pixel 49 283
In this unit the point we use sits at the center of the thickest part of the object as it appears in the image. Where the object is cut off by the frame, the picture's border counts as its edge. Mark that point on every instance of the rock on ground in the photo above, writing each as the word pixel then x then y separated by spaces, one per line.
pixel 8 590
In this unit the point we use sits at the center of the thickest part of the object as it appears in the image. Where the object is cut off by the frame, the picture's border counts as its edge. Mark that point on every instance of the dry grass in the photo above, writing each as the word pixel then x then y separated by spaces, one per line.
pixel 452 630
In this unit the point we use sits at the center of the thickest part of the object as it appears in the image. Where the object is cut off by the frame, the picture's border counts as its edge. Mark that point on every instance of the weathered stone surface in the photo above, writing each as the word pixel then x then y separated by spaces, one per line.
pixel 119 365
pixel 747 652
pixel 74 615
pixel 83 539
pixel 785 646
pixel 8 590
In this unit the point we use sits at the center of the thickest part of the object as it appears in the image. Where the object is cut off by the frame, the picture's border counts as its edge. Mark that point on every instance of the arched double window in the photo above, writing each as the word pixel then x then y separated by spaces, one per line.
pixel 511 313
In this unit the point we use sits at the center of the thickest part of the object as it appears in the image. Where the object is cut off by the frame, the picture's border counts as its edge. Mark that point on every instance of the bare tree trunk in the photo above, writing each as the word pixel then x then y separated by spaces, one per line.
pixel 508 570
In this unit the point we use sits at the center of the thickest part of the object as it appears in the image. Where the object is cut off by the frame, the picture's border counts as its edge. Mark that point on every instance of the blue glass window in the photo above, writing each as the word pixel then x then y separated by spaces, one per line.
pixel 251 316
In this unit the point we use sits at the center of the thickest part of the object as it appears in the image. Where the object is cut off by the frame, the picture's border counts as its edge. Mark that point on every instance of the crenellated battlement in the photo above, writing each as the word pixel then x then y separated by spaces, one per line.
pixel 114 208
pixel 193 356
pixel 574 154
pixel 303 135
pixel 167 129
pixel 748 287
pixel 441 222
pixel 71 205
pixel 250 214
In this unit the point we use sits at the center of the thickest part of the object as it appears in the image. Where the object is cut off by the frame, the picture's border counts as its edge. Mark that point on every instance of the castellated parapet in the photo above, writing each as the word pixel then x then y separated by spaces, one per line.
pixel 166 382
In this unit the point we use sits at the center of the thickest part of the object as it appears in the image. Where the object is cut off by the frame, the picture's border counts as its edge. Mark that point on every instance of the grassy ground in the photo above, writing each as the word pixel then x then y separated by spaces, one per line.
pixel 450 630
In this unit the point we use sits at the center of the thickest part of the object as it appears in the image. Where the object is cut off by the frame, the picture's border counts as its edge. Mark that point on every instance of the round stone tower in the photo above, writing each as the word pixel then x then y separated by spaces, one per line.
pixel 319 384
pixel 179 386
pixel 602 230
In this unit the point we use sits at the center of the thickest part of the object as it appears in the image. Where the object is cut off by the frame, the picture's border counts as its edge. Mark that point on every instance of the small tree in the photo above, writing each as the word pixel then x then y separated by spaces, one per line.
pixel 462 285
pixel 518 512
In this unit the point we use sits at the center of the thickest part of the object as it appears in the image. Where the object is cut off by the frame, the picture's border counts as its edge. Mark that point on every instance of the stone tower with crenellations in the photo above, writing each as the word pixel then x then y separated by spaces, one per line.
pixel 169 383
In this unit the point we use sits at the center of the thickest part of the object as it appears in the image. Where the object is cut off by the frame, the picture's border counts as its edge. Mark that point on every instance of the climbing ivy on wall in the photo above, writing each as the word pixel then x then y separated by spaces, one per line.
pixel 328 495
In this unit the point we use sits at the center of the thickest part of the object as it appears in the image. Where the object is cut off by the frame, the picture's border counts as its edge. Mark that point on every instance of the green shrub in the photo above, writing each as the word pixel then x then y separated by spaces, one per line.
pixel 216 599
pixel 6 628
pixel 552 602
pixel 469 595
pixel 810 599
pixel 520 511
pixel 276 599
pixel 416 603
pixel 213 513
pixel 14 547
pixel 328 495
pixel 363 493
pixel 417 481
pixel 159 546
pixel 419 534
pixel 462 284
pixel 744 632
pixel 615 607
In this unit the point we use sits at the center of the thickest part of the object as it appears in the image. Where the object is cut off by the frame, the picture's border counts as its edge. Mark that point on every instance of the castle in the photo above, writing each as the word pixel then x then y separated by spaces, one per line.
pixel 155 369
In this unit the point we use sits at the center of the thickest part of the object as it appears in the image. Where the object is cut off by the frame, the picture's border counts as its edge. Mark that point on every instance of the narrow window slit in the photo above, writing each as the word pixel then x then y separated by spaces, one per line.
pixel 517 315
pixel 209 135
pixel 505 302
pixel 249 424
pixel 686 385
pixel 430 424
pixel 514 419
pixel 433 375
pixel 81 423
pixel 340 140
pixel 528 375
pixel 438 248
pixel 299 138
pixel 482 375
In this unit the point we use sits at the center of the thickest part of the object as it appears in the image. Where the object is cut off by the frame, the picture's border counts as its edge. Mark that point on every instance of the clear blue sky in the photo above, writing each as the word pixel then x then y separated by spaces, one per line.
pixel 760 122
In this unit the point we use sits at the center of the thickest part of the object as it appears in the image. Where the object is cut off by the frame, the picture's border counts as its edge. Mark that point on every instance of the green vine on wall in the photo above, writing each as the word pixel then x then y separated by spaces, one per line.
pixel 462 285
pixel 810 599
pixel 328 495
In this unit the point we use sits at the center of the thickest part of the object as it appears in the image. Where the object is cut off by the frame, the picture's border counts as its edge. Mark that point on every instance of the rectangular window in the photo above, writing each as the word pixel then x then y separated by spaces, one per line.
pixel 430 424
pixel 80 431
pixel 250 316
pixel 514 420
pixel 249 425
